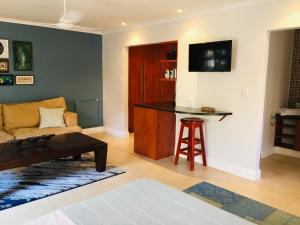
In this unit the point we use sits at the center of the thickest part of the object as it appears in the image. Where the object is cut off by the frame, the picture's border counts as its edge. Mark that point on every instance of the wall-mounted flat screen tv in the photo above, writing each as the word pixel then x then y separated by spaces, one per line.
pixel 210 57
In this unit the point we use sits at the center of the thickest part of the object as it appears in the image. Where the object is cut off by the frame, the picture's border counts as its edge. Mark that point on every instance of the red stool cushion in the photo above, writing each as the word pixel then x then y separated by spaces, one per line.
pixel 191 120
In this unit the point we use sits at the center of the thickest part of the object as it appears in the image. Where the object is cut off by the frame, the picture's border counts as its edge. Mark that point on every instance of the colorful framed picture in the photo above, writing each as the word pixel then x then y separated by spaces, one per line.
pixel 23 59
pixel 24 80
pixel 4 65
pixel 4 49
pixel 6 79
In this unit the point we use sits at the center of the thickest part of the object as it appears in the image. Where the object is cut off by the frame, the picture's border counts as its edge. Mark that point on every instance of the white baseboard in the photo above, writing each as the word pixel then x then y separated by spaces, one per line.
pixel 287 152
pixel 115 132
pixel 92 130
pixel 266 154
pixel 236 170
pixel 230 168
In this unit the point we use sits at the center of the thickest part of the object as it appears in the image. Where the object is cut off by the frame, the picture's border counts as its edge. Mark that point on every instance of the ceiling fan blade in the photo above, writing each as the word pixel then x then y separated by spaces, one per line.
pixel 83 28
pixel 65 25
pixel 74 16
pixel 69 17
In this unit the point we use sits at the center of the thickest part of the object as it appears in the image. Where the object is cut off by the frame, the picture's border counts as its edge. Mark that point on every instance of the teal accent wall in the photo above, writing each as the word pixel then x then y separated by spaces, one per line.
pixel 65 63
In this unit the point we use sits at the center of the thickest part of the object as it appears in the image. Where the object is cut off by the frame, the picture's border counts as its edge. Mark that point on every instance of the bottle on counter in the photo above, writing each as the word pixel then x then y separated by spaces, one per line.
pixel 171 76
pixel 167 74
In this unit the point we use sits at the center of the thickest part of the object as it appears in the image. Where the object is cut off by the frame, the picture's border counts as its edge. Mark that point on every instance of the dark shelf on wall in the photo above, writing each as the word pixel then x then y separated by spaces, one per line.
pixel 287 126
pixel 292 123
pixel 285 136
pixel 285 145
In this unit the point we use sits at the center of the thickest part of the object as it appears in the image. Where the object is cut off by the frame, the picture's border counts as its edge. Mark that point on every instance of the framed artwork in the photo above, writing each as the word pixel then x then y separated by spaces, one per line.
pixel 23 60
pixel 4 49
pixel 4 65
pixel 6 79
pixel 24 80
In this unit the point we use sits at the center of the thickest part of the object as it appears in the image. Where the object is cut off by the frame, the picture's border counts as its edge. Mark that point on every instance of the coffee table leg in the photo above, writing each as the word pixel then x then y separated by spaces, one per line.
pixel 100 158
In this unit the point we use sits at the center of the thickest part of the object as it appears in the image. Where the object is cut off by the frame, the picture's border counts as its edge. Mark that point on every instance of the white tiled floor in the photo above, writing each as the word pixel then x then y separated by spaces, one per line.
pixel 279 186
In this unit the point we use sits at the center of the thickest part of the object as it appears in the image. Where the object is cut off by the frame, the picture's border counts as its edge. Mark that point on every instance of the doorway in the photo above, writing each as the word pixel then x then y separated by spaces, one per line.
pixel 281 134
pixel 280 154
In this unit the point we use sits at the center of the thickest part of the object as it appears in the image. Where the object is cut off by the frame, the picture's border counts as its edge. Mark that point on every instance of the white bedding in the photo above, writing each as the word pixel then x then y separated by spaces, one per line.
pixel 141 202
pixel 55 218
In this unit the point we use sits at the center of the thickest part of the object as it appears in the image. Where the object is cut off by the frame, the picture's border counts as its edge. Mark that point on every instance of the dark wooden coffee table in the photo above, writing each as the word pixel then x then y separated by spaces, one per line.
pixel 60 146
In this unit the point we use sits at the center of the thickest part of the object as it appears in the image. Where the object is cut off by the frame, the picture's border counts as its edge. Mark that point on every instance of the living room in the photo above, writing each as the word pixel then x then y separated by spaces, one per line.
pixel 86 61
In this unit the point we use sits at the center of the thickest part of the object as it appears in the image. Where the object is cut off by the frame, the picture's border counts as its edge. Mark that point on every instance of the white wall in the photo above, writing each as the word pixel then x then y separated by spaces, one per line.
pixel 277 86
pixel 233 145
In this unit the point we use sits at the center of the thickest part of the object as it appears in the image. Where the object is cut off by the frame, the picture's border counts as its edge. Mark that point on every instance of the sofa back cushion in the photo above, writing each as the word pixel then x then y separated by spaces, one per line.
pixel 26 115
pixel 1 118
pixel 54 103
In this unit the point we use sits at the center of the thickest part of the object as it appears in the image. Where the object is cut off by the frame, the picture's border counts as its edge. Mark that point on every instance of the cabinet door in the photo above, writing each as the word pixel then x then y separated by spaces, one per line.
pixel 167 90
pixel 136 68
pixel 166 126
pixel 151 83
pixel 145 128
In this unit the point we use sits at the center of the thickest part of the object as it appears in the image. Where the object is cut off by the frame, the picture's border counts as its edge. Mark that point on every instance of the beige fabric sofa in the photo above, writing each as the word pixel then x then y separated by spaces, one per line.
pixel 21 120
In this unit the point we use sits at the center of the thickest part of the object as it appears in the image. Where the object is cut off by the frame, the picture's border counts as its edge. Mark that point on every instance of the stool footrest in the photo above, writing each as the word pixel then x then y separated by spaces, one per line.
pixel 186 141
pixel 184 151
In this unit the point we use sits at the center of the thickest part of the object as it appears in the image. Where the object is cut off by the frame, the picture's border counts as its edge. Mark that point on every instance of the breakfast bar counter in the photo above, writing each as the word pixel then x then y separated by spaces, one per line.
pixel 169 107
pixel 155 125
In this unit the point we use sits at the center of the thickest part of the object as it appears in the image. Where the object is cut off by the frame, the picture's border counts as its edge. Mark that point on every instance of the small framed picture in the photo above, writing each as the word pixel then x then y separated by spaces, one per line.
pixel 24 79
pixel 22 52
pixel 6 79
pixel 4 49
pixel 4 65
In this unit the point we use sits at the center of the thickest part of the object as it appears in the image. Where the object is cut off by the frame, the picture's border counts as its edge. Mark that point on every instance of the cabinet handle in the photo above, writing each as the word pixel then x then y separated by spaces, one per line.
pixel 144 88
pixel 141 86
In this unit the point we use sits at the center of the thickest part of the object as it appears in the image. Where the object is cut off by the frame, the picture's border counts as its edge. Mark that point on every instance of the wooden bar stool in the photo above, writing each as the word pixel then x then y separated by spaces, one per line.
pixel 190 151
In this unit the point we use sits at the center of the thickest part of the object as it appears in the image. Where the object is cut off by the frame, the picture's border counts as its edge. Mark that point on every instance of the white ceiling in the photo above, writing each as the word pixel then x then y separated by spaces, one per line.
pixel 108 14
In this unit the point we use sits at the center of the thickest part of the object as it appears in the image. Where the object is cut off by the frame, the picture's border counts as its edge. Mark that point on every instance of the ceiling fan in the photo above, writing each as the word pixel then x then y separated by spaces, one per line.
pixel 70 18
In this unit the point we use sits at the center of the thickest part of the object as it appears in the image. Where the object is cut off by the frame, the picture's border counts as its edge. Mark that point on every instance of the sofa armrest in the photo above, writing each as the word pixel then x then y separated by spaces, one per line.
pixel 70 119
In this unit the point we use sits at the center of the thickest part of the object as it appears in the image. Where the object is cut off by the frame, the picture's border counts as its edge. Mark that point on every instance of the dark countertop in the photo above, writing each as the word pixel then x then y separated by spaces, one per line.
pixel 169 107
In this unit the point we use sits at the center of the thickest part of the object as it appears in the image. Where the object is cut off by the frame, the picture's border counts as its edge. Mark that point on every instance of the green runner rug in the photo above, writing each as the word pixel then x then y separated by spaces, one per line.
pixel 241 206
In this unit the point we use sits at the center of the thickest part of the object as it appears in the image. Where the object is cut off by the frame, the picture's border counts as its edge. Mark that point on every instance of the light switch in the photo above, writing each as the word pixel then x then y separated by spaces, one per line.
pixel 189 102
pixel 245 92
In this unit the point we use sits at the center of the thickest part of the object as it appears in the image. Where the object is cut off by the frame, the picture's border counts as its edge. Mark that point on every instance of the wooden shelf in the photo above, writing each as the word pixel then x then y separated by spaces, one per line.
pixel 293 139
pixel 168 61
pixel 287 126
pixel 168 80
pixel 285 145
pixel 286 136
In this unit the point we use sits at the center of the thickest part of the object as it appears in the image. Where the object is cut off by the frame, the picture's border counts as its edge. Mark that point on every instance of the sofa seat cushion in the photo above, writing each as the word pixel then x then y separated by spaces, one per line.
pixel 5 137
pixel 23 133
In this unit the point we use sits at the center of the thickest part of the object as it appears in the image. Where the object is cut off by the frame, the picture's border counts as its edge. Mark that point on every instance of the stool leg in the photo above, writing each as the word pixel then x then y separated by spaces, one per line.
pixel 202 145
pixel 192 148
pixel 189 144
pixel 179 144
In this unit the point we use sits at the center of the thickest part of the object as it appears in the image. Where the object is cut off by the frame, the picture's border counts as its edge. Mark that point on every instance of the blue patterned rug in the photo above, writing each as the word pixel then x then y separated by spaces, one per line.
pixel 241 206
pixel 27 184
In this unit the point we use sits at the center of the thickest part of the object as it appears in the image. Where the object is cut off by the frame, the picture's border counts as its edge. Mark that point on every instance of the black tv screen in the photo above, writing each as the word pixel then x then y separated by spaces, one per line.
pixel 210 57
